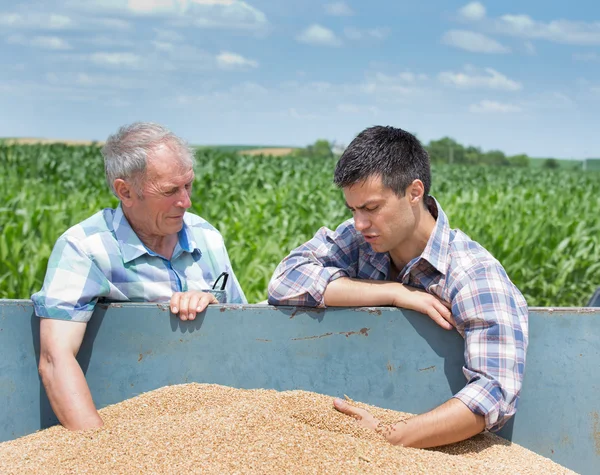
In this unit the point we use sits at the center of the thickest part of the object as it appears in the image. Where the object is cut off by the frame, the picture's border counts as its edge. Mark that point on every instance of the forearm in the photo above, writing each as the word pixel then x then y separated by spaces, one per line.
pixel 451 422
pixel 68 392
pixel 346 292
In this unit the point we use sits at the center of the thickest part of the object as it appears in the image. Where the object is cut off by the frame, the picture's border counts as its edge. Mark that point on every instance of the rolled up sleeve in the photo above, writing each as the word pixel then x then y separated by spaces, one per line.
pixel 72 285
pixel 491 314
pixel 302 277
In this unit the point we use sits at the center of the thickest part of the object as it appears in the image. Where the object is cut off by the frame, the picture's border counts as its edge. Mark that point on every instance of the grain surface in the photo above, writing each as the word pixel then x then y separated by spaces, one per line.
pixel 211 429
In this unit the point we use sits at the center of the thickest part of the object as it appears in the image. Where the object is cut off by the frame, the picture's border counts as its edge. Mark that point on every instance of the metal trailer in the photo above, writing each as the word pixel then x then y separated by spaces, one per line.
pixel 383 356
pixel 595 300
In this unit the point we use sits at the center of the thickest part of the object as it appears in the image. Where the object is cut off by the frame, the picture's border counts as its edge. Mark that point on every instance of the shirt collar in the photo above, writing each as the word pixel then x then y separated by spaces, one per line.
pixel 436 250
pixel 131 245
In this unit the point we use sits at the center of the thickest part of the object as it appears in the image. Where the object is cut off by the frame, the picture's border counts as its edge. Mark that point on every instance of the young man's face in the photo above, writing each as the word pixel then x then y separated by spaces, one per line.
pixel 166 194
pixel 385 220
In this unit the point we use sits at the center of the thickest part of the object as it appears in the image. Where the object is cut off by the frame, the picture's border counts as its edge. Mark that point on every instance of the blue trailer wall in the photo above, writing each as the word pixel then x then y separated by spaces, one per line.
pixel 384 356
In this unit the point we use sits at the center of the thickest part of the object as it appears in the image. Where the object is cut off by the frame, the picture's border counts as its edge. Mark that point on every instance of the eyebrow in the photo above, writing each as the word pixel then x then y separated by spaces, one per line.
pixel 173 186
pixel 363 206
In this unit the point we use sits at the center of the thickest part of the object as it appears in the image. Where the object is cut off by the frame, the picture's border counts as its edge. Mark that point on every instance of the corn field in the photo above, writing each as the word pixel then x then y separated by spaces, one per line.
pixel 543 226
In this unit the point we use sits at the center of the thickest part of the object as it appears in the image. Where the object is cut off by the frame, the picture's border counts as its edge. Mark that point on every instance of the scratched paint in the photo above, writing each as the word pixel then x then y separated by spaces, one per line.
pixel 362 331
pixel 370 310
pixel 429 368
pixel 596 431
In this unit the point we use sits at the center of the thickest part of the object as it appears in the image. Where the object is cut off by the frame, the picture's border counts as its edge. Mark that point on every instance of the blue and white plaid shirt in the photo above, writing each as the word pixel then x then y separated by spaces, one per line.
pixel 490 312
pixel 102 257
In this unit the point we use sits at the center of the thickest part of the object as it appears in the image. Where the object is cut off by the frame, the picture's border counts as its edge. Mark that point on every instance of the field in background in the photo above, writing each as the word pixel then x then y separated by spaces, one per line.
pixel 543 225
pixel 35 140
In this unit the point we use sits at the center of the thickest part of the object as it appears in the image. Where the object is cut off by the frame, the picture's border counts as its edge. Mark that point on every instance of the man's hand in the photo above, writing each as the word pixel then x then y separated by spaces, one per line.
pixel 187 304
pixel 451 422
pixel 346 292
pixel 363 417
pixel 426 303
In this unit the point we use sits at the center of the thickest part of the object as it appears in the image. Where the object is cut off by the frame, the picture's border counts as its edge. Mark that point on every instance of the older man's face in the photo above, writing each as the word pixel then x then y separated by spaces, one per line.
pixel 166 194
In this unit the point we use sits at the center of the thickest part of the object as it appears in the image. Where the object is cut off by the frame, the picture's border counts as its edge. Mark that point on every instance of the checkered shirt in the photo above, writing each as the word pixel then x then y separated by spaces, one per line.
pixel 490 312
pixel 103 258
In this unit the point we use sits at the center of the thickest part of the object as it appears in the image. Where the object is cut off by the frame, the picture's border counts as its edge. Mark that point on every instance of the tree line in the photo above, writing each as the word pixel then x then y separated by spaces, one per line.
pixel 444 150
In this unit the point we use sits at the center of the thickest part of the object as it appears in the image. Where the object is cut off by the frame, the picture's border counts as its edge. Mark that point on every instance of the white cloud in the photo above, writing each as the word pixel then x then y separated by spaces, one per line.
pixel 43 42
pixel 233 61
pixel 233 15
pixel 338 9
pixel 378 33
pixel 50 42
pixel 163 46
pixel 127 60
pixel 473 11
pixel 108 42
pixel 107 23
pixel 405 77
pixel 169 36
pixel 319 36
pixel 53 22
pixel 222 14
pixel 523 26
pixel 86 80
pixel 401 85
pixel 472 78
pixel 586 57
pixel 473 42
pixel 487 106
pixel 558 31
pixel 36 21
pixel 157 6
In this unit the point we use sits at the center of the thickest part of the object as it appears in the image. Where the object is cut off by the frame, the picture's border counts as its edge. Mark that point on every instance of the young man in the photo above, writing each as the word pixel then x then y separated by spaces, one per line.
pixel 399 250
pixel 147 249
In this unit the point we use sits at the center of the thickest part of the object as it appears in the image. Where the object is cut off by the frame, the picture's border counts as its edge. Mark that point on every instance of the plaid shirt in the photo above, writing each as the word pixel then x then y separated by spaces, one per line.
pixel 490 312
pixel 102 257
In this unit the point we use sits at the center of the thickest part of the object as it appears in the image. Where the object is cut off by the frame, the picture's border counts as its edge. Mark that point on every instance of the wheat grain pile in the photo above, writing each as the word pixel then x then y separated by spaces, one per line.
pixel 211 429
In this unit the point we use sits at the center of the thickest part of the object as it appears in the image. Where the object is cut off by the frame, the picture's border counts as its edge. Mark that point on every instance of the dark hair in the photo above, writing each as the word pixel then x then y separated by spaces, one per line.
pixel 391 153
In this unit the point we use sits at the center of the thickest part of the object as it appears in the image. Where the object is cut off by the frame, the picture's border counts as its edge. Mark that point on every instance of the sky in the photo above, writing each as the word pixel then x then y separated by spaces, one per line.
pixel 518 76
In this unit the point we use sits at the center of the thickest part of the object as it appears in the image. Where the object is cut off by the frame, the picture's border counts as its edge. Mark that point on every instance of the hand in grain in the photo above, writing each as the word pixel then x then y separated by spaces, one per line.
pixel 187 304
pixel 362 416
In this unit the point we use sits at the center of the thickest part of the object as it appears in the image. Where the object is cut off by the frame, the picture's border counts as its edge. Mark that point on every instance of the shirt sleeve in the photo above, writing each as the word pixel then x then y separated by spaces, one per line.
pixel 72 285
pixel 302 277
pixel 492 316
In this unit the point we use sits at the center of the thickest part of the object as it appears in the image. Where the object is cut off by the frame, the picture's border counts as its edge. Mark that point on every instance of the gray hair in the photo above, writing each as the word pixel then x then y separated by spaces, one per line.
pixel 126 152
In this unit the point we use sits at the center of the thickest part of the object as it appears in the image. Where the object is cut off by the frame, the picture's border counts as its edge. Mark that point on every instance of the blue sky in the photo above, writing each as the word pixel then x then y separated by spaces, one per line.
pixel 522 77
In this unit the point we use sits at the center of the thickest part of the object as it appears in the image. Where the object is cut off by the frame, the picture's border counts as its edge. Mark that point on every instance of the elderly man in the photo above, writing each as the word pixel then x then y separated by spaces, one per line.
pixel 400 250
pixel 147 249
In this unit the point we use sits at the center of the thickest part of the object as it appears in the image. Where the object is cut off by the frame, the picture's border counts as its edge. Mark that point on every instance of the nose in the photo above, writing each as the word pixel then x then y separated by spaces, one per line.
pixel 361 222
pixel 184 200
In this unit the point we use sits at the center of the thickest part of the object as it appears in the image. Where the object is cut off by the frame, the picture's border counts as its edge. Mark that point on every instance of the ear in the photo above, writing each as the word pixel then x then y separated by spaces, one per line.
pixel 125 192
pixel 415 192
